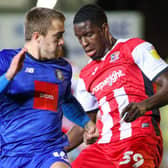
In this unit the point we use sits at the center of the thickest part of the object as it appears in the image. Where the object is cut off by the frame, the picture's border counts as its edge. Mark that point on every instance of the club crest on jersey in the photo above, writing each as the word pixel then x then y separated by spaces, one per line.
pixel 59 74
pixel 114 56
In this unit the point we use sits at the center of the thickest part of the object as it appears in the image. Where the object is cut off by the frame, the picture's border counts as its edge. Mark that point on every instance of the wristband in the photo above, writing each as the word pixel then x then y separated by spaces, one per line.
pixel 74 112
pixel 3 82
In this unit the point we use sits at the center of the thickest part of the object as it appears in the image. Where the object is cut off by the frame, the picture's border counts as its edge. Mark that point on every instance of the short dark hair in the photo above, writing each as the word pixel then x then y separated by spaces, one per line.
pixel 39 19
pixel 91 12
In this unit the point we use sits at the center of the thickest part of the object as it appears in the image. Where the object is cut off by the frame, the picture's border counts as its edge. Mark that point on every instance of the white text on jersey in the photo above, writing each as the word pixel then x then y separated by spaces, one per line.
pixel 108 81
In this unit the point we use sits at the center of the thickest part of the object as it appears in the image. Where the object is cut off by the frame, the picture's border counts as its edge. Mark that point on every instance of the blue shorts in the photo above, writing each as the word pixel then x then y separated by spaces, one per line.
pixel 37 160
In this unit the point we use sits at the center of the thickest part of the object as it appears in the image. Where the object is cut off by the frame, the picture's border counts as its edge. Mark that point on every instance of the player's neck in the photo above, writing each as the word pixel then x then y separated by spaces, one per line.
pixel 32 49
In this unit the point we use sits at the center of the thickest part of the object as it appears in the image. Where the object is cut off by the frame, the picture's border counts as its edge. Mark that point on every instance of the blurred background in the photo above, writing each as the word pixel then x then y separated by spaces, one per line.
pixel 127 18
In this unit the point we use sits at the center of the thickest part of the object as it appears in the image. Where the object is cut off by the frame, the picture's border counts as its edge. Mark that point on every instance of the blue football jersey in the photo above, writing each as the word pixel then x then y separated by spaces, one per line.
pixel 31 105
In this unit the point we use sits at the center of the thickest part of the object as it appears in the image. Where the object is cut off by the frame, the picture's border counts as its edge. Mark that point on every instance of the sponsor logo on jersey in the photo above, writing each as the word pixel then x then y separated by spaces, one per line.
pixel 45 96
pixel 115 56
pixel 155 54
pixel 108 81
pixel 29 70
pixel 59 74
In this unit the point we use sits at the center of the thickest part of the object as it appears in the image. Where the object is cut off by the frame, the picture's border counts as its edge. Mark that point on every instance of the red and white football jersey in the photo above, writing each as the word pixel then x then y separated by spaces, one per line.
pixel 123 75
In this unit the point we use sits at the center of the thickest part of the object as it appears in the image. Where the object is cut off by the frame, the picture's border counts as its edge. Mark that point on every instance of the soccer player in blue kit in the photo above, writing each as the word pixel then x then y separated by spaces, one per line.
pixel 35 92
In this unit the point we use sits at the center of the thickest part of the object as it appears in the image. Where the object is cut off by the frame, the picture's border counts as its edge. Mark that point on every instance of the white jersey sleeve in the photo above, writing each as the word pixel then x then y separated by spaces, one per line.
pixel 86 99
pixel 148 60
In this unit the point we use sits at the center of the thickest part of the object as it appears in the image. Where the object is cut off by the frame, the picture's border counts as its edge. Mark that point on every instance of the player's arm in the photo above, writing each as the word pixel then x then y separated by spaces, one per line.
pixel 157 71
pixel 15 66
pixel 88 130
pixel 135 110
pixel 73 110
pixel 76 133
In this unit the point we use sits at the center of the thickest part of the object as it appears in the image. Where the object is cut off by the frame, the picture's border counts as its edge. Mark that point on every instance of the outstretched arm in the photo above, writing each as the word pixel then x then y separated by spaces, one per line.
pixel 135 110
pixel 88 131
pixel 77 134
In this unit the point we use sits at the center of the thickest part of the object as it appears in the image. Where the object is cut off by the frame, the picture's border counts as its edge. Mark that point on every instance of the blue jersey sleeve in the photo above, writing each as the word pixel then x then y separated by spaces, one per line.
pixel 5 60
pixel 4 64
pixel 70 106
pixel 3 83
pixel 74 111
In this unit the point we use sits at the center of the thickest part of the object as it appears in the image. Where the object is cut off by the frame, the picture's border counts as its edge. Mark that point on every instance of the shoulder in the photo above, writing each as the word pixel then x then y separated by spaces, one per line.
pixel 8 53
pixel 135 40
pixel 64 64
pixel 132 42
pixel 6 56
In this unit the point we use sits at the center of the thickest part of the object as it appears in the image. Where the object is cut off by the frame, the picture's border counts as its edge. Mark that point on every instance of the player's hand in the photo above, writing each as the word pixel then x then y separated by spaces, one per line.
pixel 91 133
pixel 16 64
pixel 132 111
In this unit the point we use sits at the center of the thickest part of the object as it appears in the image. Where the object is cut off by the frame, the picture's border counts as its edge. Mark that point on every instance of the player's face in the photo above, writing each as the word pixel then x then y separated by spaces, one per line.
pixel 92 39
pixel 51 44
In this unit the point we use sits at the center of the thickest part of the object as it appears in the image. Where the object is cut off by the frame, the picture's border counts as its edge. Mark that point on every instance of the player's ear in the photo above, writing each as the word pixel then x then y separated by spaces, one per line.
pixel 105 28
pixel 36 36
